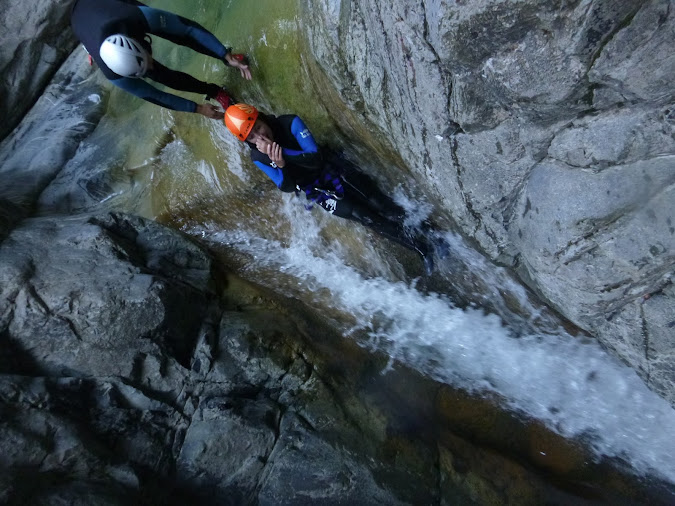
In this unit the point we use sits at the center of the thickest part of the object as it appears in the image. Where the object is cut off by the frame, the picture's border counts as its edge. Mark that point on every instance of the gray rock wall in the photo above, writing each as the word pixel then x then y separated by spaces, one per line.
pixel 36 152
pixel 122 380
pixel 35 39
pixel 545 130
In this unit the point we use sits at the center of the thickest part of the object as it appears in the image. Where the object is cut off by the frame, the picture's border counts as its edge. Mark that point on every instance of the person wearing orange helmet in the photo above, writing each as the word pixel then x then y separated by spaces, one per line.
pixel 116 34
pixel 285 150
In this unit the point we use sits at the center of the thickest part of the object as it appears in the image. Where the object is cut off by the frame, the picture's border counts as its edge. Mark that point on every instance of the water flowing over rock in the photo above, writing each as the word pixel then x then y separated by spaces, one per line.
pixel 116 349
pixel 546 131
pixel 135 369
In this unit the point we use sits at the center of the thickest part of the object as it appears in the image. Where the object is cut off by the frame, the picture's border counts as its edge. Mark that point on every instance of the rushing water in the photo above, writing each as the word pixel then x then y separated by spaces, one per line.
pixel 571 384
pixel 471 326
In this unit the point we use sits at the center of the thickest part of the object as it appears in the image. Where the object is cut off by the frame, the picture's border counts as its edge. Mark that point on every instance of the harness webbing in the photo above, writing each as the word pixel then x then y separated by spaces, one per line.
pixel 325 187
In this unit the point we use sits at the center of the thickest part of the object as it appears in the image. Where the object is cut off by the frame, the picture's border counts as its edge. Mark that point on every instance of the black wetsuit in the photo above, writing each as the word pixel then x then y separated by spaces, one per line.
pixel 95 20
pixel 335 184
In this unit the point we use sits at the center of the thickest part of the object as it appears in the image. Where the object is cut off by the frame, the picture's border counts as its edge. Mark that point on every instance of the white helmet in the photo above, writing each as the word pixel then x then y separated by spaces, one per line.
pixel 124 56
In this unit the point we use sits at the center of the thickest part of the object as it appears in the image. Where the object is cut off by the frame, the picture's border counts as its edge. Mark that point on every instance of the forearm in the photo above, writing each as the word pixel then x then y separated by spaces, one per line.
pixel 275 173
pixel 141 89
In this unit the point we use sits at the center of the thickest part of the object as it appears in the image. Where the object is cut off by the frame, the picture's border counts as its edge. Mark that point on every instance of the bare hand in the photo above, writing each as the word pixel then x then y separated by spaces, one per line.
pixel 262 142
pixel 243 68
pixel 210 111
pixel 245 72
pixel 275 153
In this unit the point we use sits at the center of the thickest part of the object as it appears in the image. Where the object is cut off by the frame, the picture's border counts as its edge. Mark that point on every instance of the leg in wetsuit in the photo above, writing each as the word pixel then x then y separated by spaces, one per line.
pixel 359 188
pixel 364 203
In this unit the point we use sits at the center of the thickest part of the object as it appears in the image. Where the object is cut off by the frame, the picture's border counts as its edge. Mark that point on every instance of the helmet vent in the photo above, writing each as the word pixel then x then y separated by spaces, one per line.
pixel 124 56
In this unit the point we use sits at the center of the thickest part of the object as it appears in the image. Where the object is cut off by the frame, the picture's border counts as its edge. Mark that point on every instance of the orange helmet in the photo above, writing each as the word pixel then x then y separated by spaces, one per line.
pixel 239 119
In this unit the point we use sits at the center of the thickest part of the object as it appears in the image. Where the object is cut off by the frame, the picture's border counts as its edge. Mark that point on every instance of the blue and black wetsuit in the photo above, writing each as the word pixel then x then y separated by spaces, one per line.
pixel 95 20
pixel 333 183
pixel 301 153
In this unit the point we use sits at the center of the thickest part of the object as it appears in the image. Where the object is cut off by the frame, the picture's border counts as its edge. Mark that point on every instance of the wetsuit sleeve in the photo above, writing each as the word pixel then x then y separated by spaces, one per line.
pixel 183 31
pixel 274 173
pixel 308 156
pixel 280 177
pixel 303 136
pixel 146 91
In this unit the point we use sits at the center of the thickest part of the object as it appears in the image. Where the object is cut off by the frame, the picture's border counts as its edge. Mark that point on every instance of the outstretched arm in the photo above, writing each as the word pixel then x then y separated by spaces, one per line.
pixel 146 91
pixel 188 33
pixel 183 31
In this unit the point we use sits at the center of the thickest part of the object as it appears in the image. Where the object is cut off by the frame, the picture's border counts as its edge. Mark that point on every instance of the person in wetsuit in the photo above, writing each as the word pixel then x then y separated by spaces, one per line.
pixel 116 34
pixel 285 150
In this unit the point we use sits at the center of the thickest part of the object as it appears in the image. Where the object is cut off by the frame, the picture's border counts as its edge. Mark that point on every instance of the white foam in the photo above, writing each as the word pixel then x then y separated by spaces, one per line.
pixel 231 149
pixel 570 384
pixel 209 173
